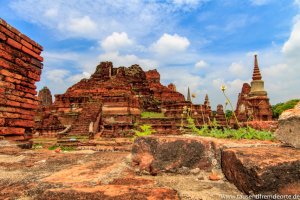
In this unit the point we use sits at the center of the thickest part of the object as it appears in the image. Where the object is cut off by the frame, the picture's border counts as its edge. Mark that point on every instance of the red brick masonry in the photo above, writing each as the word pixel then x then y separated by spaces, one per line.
pixel 20 68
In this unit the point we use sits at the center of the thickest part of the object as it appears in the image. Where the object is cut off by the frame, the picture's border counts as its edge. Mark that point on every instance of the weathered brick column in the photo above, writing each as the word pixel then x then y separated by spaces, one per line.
pixel 20 68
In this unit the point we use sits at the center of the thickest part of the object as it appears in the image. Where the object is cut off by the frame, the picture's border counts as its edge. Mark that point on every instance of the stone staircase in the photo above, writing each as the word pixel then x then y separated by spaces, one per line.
pixel 89 114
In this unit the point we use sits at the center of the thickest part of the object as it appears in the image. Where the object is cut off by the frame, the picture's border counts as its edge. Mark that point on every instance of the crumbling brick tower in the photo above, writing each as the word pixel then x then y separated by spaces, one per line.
pixel 45 97
pixel 20 68
pixel 253 102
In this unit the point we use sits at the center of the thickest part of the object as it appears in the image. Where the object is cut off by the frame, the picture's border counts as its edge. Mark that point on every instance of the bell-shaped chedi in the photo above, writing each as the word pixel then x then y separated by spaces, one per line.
pixel 253 102
pixel 257 84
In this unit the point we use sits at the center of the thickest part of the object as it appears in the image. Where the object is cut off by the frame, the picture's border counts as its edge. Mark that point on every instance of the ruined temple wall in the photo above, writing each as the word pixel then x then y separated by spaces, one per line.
pixel 20 69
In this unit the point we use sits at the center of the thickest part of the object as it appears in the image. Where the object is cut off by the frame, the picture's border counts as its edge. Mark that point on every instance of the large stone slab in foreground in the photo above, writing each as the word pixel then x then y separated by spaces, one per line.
pixel 181 154
pixel 263 170
pixel 169 154
pixel 289 127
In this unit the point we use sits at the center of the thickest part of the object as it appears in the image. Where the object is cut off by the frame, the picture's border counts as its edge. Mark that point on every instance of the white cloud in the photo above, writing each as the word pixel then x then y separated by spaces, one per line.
pixel 183 78
pixel 94 19
pixel 52 12
pixel 128 60
pixel 238 69
pixel 169 44
pixel 77 77
pixel 292 46
pixel 79 26
pixel 116 41
pixel 201 64
pixel 57 75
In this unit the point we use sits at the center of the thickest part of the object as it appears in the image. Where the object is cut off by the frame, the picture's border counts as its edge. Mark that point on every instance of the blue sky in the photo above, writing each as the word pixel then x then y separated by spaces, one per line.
pixel 197 43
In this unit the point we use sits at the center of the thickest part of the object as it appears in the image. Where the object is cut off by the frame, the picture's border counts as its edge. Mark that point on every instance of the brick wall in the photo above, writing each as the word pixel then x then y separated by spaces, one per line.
pixel 20 68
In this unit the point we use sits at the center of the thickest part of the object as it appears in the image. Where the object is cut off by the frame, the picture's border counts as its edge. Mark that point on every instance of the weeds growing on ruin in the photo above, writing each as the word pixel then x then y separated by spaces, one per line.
pixel 215 130
pixel 219 132
pixel 146 130
pixel 223 88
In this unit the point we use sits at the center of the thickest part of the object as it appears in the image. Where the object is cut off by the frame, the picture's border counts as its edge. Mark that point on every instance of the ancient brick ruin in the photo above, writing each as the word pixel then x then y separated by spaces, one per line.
pixel 45 97
pixel 20 69
pixel 253 103
pixel 112 100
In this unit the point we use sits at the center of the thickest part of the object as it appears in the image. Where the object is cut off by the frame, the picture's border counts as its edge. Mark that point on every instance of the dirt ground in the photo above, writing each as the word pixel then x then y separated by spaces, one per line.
pixel 87 174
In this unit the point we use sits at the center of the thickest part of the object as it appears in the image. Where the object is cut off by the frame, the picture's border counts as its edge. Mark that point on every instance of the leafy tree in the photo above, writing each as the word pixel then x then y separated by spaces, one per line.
pixel 280 107
pixel 228 114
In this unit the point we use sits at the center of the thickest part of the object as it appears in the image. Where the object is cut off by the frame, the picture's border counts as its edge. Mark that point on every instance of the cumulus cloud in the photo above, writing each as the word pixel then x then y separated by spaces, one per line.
pixel 116 41
pixel 170 44
pixel 79 26
pixel 201 64
pixel 292 46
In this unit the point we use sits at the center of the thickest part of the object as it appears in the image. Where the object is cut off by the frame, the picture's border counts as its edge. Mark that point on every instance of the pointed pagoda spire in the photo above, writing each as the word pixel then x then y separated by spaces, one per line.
pixel 206 101
pixel 188 98
pixel 256 73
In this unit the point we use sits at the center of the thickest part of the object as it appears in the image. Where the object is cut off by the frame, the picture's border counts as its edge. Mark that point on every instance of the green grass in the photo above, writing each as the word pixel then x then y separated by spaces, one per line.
pixel 241 133
pixel 152 115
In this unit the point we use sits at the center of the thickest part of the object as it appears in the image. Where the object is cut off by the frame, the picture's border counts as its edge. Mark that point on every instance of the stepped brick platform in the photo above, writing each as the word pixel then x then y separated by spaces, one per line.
pixel 20 68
